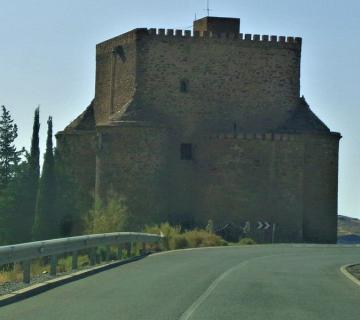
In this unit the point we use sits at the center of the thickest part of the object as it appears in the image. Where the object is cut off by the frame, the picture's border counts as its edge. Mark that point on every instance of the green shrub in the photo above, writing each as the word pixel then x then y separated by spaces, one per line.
pixel 179 241
pixel 175 239
pixel 168 231
pixel 247 241
pixel 201 238
pixel 110 217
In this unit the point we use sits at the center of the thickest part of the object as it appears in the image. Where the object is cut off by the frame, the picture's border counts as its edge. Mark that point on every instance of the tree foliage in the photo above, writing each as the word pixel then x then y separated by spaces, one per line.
pixel 31 183
pixel 9 155
pixel 34 159
pixel 13 185
pixel 16 201
pixel 46 224
pixel 34 208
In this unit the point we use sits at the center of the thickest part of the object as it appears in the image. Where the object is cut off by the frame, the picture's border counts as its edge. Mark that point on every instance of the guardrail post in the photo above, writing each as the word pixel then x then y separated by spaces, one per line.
pixel 26 266
pixel 119 251
pixel 92 256
pixel 53 264
pixel 143 248
pixel 129 249
pixel 74 261
pixel 108 253
pixel 163 243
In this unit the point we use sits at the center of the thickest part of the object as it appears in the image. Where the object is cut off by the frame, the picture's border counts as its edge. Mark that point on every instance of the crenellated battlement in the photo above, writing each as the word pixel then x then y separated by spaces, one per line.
pixel 255 136
pixel 247 37
pixel 161 33
pixel 272 136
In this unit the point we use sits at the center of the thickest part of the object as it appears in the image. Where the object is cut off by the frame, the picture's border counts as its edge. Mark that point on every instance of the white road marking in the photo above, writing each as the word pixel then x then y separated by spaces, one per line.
pixel 189 312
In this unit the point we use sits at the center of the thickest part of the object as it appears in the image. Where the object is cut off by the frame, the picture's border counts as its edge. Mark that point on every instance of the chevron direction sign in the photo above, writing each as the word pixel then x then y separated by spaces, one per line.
pixel 247 227
pixel 263 225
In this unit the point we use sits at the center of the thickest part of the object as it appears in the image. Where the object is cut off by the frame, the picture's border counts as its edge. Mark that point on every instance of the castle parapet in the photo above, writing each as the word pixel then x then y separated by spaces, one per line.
pixel 294 42
pixel 255 136
pixel 273 40
pixel 271 136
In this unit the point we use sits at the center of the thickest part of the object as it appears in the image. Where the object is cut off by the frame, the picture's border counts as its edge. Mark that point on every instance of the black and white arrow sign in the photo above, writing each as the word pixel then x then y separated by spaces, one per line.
pixel 263 225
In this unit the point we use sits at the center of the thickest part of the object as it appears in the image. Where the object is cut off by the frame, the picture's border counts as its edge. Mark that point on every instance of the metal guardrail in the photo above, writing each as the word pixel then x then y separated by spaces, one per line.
pixel 25 252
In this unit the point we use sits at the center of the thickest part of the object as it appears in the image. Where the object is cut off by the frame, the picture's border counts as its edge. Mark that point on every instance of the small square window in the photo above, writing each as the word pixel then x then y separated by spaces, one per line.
pixel 184 86
pixel 186 151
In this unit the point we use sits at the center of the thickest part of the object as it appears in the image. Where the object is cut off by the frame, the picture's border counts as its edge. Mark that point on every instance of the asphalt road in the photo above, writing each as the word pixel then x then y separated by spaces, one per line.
pixel 279 282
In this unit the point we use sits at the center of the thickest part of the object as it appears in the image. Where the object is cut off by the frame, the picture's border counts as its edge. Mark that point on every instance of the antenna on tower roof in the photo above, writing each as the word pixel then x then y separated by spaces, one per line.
pixel 208 7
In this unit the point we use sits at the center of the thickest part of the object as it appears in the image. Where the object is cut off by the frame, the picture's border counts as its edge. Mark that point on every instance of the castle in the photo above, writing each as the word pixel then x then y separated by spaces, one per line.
pixel 191 126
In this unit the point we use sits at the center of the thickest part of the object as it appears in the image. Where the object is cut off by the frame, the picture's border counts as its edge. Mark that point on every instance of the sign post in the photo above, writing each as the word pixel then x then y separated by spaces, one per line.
pixel 273 232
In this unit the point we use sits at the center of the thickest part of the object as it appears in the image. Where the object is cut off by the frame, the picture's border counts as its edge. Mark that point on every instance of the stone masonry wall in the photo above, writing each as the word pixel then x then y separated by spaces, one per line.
pixel 77 149
pixel 246 81
pixel 251 178
pixel 230 179
pixel 131 162
pixel 321 188
pixel 115 75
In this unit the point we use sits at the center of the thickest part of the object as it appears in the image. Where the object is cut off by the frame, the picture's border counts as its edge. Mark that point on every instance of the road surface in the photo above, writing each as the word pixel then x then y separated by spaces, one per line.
pixel 282 282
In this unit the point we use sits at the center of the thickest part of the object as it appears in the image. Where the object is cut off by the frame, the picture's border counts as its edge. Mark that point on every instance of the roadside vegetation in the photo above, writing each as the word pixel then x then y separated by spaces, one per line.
pixel 13 273
pixel 38 203
pixel 175 238
pixel 109 217
pixel 247 241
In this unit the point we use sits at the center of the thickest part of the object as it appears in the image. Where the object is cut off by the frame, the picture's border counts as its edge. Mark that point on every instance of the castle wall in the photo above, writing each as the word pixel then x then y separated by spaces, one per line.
pixel 115 75
pixel 77 149
pixel 320 188
pixel 239 178
pixel 286 179
pixel 249 81
pixel 252 177
pixel 131 162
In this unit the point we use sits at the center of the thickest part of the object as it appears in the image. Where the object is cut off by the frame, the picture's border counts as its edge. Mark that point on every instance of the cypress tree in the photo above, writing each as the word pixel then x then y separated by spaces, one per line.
pixel 34 170
pixel 45 224
pixel 35 149
pixel 25 188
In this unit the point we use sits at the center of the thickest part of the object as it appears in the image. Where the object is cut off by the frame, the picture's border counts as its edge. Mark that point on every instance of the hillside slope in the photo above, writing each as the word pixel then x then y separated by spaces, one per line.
pixel 348 229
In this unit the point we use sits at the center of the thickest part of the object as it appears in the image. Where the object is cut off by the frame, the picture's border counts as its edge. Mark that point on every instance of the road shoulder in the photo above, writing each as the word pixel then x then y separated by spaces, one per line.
pixel 38 288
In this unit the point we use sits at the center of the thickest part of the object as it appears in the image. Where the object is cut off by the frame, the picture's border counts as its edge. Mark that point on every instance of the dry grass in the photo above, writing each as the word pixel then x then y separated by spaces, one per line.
pixel 247 241
pixel 176 239
pixel 64 263
pixel 41 266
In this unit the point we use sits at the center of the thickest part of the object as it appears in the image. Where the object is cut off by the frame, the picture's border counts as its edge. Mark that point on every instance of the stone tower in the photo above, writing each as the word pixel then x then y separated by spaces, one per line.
pixel 189 127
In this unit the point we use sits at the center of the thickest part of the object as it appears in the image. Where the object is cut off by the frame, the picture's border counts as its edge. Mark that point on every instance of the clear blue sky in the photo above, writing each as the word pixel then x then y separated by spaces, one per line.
pixel 47 57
